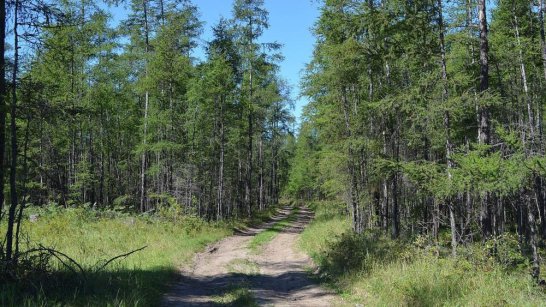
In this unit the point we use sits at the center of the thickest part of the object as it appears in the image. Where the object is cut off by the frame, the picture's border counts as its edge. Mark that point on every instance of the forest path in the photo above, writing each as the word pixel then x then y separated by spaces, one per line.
pixel 276 276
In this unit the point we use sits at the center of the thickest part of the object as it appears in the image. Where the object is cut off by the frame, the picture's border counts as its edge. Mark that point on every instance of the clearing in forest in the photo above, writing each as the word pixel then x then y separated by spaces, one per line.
pixel 229 273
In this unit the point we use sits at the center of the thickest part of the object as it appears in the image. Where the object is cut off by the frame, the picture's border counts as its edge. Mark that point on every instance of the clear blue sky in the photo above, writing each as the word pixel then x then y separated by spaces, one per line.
pixel 290 23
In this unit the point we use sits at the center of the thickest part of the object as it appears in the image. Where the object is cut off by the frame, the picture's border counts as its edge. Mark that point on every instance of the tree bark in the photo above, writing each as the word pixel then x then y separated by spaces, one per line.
pixel 143 198
pixel 525 86
pixel 395 205
pixel 13 129
pixel 354 193
pixel 542 35
pixel 248 182
pixel 219 212
pixel 484 117
pixel 535 268
pixel 484 133
pixel 2 102
pixel 447 127
pixel 261 175
pixel 385 192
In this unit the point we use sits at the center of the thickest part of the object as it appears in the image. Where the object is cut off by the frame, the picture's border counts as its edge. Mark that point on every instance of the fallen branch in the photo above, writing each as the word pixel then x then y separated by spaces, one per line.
pixel 72 264
pixel 57 254
pixel 118 257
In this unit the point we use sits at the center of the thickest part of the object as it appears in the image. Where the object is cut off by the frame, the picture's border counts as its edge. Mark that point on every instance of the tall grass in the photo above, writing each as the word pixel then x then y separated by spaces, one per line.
pixel 91 237
pixel 373 270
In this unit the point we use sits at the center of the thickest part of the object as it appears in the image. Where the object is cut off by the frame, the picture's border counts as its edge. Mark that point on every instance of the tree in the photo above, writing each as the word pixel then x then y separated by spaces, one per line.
pixel 252 20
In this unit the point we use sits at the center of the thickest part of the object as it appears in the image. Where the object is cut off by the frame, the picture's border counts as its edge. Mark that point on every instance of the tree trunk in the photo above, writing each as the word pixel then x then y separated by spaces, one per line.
pixel 525 86
pixel 469 25
pixel 143 200
pixel 248 184
pixel 535 268
pixel 447 127
pixel 542 35
pixel 13 128
pixel 219 213
pixel 484 133
pixel 385 193
pixel 354 194
pixel 24 193
pixel 484 118
pixel 2 102
pixel 261 179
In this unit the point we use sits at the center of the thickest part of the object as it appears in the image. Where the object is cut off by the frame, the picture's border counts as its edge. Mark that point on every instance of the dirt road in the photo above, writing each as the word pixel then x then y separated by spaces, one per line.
pixel 275 276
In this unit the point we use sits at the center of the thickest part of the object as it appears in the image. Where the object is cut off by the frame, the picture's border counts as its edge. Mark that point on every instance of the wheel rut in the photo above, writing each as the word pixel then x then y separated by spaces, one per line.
pixel 276 276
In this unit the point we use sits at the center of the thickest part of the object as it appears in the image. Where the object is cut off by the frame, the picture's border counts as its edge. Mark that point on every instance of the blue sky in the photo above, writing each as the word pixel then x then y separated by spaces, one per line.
pixel 290 23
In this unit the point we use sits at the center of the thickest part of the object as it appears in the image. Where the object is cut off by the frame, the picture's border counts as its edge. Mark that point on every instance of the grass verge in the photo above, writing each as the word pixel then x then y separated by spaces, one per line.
pixel 91 237
pixel 373 270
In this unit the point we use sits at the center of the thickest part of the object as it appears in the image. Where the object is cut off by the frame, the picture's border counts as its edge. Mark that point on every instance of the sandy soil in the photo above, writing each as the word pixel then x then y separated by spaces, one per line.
pixel 277 276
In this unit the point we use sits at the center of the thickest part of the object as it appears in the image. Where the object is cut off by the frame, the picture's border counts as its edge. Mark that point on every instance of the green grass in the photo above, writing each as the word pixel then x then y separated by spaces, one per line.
pixel 264 237
pixel 237 296
pixel 375 271
pixel 91 237
pixel 243 266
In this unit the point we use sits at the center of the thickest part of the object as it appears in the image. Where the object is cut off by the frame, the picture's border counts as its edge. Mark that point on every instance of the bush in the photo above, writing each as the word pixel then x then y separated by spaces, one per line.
pixel 373 270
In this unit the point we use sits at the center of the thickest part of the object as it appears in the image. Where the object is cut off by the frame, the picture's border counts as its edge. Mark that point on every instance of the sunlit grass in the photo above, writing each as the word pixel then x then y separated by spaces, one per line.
pixel 90 237
pixel 375 271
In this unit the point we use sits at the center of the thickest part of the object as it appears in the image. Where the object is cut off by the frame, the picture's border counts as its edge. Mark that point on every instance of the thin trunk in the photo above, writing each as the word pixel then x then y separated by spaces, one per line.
pixel 13 128
pixel 469 17
pixel 24 193
pixel 248 183
pixel 395 206
pixel 261 180
pixel 539 189
pixel 525 85
pixel 484 129
pixel 447 127
pixel 2 102
pixel 385 192
pixel 162 11
pixel 542 10
pixel 354 194
pixel 484 133
pixel 542 35
pixel 535 268
pixel 143 187
pixel 221 163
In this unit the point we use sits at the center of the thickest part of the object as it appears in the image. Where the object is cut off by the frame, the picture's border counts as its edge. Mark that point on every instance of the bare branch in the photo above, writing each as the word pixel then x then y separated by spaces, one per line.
pixel 118 257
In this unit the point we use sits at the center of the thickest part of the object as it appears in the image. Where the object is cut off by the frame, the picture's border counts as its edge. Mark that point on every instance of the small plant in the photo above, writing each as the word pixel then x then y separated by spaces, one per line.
pixel 236 295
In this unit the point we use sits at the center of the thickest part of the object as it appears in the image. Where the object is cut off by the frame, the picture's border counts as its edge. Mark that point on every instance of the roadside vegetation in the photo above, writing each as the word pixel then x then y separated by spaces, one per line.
pixel 91 238
pixel 373 270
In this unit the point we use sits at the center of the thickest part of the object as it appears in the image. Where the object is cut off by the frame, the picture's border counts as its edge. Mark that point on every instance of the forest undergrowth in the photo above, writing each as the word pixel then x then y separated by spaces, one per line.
pixel 374 270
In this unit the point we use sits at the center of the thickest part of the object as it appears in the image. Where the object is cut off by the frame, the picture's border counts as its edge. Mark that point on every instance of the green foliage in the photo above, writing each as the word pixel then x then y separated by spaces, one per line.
pixel 374 270
pixel 482 173
pixel 92 236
